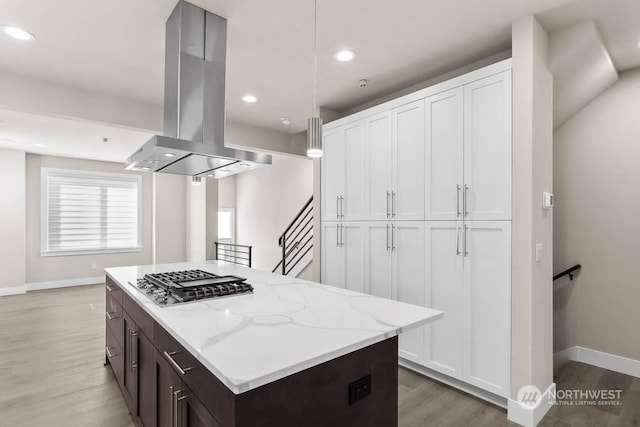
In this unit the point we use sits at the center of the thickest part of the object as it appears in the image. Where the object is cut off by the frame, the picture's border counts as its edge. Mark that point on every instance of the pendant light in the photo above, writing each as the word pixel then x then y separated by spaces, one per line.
pixel 314 124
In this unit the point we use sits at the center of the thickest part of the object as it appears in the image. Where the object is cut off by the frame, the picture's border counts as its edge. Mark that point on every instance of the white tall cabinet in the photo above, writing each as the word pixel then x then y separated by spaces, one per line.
pixel 416 207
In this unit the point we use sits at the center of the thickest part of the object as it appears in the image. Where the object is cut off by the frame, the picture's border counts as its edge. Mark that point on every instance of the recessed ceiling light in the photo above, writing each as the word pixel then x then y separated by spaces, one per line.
pixel 285 121
pixel 345 55
pixel 211 175
pixel 245 165
pixel 249 99
pixel 17 33
pixel 169 154
pixel 145 168
pixel 39 145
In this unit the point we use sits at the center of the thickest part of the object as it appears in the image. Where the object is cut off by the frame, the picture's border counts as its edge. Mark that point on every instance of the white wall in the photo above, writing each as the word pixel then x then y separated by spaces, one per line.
pixel 12 218
pixel 267 199
pixel 532 313
pixel 597 189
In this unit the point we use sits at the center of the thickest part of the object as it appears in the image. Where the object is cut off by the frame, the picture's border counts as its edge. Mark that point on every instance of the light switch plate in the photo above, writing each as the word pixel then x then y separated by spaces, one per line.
pixel 539 252
pixel 547 200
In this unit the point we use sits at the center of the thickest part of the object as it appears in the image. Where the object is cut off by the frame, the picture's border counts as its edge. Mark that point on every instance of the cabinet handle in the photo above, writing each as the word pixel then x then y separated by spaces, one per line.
pixel 111 316
pixel 393 204
pixel 458 213
pixel 393 238
pixel 341 207
pixel 466 200
pixel 337 235
pixel 457 240
pixel 341 235
pixel 337 207
pixel 109 288
pixel 128 346
pixel 182 371
pixel 466 251
pixel 174 406
pixel 388 194
pixel 109 354
pixel 133 338
pixel 387 237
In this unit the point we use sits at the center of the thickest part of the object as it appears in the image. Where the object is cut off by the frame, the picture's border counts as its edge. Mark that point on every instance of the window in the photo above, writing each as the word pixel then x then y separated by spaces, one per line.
pixel 226 227
pixel 89 212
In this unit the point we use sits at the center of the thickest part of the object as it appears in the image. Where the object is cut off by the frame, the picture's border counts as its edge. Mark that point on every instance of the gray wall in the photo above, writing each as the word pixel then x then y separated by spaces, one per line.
pixel 597 190
pixel 267 199
pixel 12 218
pixel 43 269
pixel 169 218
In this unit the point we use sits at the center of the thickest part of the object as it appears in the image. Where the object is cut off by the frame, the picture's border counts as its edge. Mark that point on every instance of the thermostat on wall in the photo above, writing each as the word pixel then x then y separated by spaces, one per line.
pixel 547 200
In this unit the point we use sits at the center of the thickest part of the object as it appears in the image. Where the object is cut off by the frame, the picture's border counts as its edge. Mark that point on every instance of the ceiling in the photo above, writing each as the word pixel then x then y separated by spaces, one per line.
pixel 67 138
pixel 117 47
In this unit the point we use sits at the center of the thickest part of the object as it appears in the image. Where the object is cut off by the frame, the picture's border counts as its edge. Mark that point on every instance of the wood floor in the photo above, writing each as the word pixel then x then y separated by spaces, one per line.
pixel 52 374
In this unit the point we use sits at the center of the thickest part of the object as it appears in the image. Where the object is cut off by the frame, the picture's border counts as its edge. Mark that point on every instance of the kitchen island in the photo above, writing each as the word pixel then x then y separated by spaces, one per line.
pixel 291 353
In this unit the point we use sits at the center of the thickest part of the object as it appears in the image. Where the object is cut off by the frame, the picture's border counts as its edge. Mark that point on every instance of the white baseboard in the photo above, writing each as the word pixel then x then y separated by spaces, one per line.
pixel 530 416
pixel 612 362
pixel 38 286
pixel 455 383
pixel 12 290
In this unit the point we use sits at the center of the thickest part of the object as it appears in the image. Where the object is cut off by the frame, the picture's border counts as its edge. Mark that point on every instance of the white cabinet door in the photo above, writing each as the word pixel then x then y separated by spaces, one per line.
pixel 354 185
pixel 408 162
pixel 378 259
pixel 407 244
pixel 487 305
pixel 444 158
pixel 487 148
pixel 444 291
pixel 333 173
pixel 353 246
pixel 379 162
pixel 333 267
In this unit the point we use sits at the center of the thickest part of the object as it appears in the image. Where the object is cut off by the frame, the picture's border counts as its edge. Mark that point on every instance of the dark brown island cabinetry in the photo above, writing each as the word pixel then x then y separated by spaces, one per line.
pixel 166 386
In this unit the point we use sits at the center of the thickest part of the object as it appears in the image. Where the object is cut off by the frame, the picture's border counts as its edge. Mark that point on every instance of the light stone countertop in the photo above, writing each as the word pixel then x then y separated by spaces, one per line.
pixel 286 326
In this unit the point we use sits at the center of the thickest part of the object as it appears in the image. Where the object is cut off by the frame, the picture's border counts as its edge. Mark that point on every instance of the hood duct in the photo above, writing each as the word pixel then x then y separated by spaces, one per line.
pixel 194 102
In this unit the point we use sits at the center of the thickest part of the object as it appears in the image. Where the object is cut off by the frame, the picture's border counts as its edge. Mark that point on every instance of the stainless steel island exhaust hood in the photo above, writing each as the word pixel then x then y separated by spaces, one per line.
pixel 194 102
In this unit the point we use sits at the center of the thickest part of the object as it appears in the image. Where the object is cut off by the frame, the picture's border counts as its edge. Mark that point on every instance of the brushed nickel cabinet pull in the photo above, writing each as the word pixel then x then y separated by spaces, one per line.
pixel 387 237
pixel 388 214
pixel 133 339
pixel 458 213
pixel 180 369
pixel 109 354
pixel 457 241
pixel 466 200
pixel 109 288
pixel 393 204
pixel 466 250
pixel 111 316
pixel 393 238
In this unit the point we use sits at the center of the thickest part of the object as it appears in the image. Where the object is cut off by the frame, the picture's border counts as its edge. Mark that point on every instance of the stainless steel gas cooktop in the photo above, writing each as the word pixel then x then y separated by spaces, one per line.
pixel 178 287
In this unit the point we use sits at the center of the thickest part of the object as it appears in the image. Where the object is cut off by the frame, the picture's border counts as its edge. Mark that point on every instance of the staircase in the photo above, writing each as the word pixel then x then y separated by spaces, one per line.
pixel 296 243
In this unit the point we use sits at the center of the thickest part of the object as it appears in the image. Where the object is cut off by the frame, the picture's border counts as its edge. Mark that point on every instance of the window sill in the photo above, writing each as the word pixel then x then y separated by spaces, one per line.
pixel 89 252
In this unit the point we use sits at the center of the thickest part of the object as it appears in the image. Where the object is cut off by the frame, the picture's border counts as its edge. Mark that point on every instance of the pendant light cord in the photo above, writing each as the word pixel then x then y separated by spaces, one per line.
pixel 315 55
